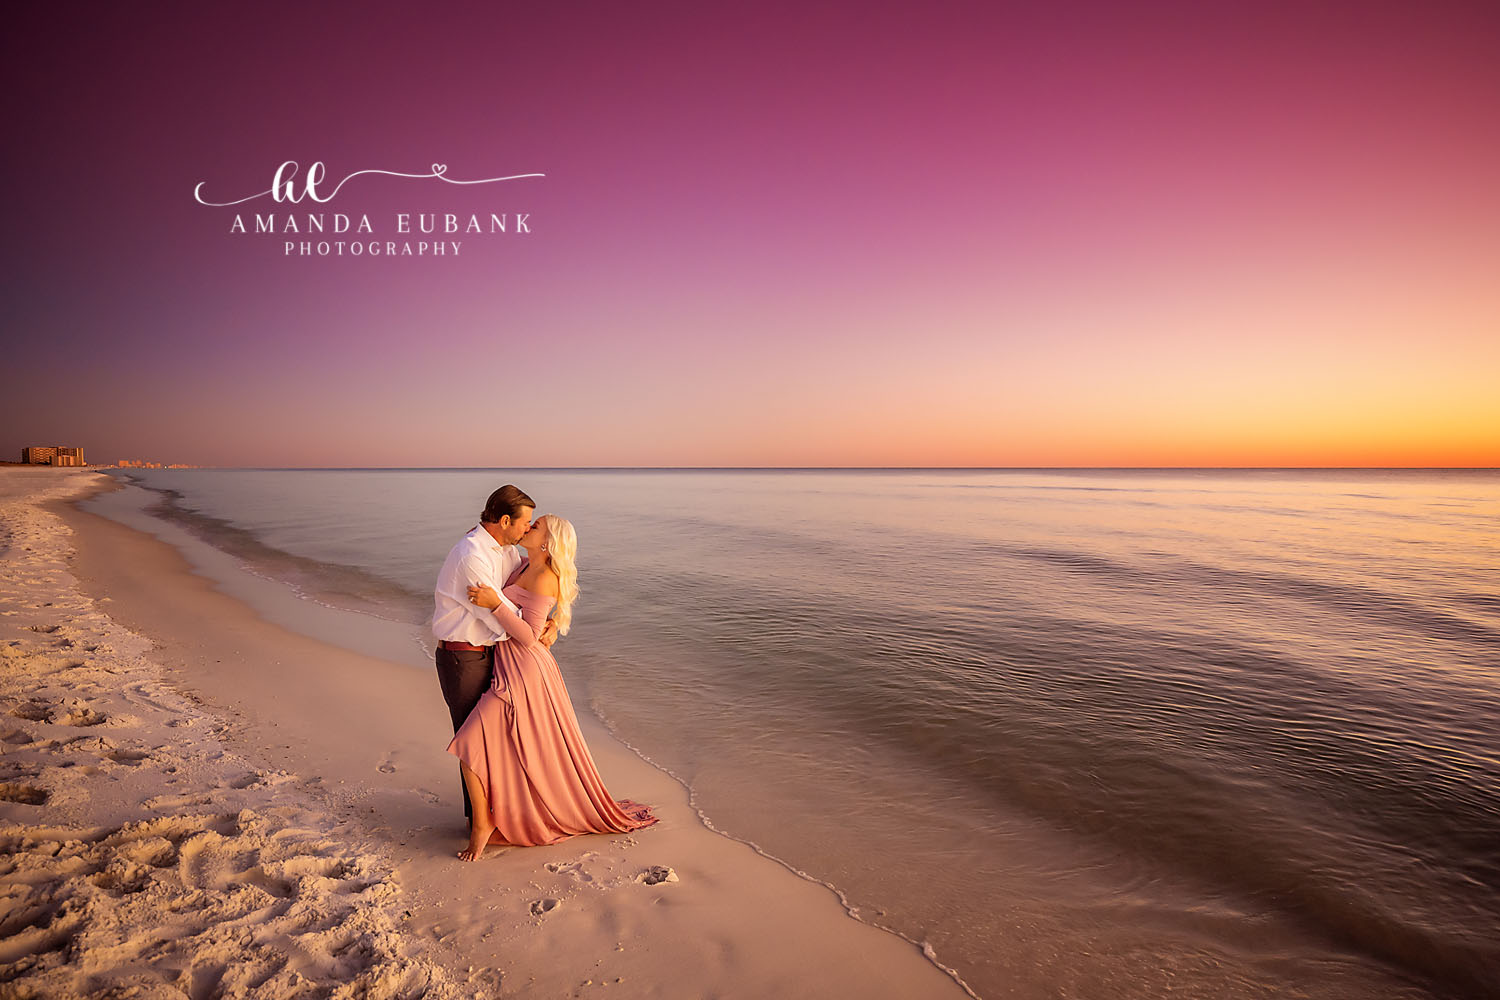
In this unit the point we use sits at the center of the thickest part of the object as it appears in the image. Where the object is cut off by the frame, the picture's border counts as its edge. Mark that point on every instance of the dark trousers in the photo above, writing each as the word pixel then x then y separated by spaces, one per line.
pixel 464 674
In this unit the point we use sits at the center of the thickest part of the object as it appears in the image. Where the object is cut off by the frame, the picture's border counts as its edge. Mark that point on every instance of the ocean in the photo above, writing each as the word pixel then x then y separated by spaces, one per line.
pixel 1079 733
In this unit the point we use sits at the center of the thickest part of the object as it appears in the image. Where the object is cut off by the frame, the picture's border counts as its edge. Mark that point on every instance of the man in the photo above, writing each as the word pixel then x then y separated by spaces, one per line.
pixel 467 633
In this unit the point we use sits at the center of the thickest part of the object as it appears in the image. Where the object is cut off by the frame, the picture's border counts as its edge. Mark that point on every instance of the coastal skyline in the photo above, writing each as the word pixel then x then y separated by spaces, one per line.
pixel 973 236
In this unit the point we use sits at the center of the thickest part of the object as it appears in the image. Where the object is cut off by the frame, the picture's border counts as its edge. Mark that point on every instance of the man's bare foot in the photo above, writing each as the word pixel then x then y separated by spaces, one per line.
pixel 479 836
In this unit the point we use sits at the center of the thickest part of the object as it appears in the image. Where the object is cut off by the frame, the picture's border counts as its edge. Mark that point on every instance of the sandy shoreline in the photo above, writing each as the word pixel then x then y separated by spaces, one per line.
pixel 199 801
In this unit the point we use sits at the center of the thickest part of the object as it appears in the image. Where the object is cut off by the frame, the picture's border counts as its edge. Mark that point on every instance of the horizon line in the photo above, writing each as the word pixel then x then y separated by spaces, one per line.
pixel 820 468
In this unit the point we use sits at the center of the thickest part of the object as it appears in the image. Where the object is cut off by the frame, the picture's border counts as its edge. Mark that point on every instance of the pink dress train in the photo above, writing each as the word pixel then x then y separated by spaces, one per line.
pixel 523 742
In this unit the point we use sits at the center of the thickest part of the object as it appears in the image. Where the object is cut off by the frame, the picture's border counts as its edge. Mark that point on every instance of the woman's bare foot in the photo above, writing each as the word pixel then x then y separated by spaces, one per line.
pixel 481 824
pixel 479 836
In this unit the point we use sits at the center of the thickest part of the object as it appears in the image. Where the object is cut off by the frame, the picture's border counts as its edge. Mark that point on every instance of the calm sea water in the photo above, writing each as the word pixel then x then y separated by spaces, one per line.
pixel 1084 733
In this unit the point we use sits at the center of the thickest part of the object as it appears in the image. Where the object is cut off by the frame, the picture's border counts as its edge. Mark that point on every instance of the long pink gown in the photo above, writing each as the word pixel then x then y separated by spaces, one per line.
pixel 523 742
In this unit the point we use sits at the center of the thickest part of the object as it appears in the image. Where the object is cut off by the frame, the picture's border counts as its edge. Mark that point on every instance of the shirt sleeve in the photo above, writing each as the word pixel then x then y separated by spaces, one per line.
pixel 472 571
pixel 521 634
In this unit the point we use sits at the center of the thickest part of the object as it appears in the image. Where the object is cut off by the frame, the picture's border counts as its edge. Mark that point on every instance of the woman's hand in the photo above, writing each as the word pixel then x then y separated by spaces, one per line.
pixel 484 596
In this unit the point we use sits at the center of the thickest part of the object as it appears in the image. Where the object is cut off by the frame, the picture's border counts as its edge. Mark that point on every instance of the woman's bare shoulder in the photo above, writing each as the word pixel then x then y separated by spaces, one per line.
pixel 542 581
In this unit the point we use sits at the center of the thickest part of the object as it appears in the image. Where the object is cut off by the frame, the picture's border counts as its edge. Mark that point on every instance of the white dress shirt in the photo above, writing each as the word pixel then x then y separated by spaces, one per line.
pixel 476 559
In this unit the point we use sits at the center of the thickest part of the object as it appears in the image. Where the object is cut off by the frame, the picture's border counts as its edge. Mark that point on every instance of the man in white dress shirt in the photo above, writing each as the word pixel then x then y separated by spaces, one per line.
pixel 467 633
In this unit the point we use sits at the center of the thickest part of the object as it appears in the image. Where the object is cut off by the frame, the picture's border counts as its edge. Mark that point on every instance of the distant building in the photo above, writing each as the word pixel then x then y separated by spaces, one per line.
pixel 55 455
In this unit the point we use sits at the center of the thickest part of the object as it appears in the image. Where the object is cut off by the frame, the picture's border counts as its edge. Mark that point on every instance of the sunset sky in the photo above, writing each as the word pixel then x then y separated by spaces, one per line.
pixel 770 235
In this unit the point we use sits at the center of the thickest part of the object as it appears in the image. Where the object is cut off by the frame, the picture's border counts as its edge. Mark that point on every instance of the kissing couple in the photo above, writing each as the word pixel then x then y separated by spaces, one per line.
pixel 504 595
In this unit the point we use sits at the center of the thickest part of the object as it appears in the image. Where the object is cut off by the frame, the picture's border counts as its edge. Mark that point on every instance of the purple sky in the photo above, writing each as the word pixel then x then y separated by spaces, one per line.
pixel 1087 234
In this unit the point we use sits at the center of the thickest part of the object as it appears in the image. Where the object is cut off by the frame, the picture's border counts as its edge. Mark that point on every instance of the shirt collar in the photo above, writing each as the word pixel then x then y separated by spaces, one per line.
pixel 485 538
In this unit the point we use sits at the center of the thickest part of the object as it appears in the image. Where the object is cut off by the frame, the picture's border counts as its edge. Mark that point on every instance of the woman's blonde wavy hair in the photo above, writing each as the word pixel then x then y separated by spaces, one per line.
pixel 562 552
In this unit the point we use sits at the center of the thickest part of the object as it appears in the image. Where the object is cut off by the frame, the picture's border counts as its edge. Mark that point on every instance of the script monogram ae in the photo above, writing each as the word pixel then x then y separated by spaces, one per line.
pixel 285 189
pixel 283 184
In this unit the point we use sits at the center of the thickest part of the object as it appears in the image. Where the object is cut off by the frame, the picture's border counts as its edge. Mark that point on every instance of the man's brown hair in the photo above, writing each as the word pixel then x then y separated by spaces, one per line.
pixel 507 499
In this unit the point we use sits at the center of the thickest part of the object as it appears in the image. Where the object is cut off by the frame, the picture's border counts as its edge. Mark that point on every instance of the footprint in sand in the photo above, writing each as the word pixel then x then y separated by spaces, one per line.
pixel 88 744
pixel 182 801
pixel 657 875
pixel 543 906
pixel 82 715
pixel 34 711
pixel 572 868
pixel 262 779
pixel 25 794
pixel 386 767
pixel 131 757
pixel 156 851
pixel 148 693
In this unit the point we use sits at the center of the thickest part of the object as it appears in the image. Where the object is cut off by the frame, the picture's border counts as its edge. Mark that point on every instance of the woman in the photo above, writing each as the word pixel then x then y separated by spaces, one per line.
pixel 529 774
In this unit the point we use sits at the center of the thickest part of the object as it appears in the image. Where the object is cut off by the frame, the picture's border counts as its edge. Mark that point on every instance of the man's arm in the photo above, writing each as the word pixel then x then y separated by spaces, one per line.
pixel 510 619
pixel 483 596
pixel 473 569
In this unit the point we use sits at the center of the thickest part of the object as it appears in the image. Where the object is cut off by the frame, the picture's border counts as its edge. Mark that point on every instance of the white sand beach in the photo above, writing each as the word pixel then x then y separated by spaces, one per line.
pixel 198 802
